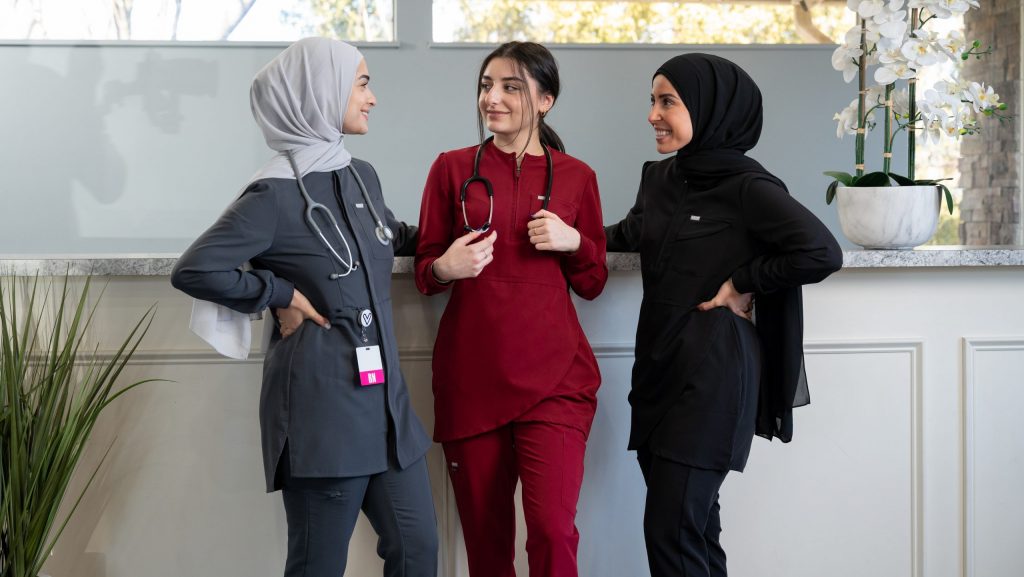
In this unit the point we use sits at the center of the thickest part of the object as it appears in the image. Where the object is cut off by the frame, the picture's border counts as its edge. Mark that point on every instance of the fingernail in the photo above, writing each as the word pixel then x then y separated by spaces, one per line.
pixel 327 326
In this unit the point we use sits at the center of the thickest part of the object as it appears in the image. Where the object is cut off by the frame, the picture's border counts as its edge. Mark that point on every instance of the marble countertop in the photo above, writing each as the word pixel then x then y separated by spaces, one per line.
pixel 161 264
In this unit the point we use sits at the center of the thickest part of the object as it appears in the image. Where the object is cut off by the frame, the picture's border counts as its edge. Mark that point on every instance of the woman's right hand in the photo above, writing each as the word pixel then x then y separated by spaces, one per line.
pixel 465 260
pixel 300 309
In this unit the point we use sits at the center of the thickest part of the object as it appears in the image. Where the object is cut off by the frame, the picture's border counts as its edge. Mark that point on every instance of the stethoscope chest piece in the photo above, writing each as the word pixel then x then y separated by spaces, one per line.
pixel 384 234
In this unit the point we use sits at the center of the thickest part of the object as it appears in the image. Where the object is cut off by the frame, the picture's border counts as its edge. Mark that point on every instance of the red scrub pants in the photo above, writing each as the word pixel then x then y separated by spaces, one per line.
pixel 548 459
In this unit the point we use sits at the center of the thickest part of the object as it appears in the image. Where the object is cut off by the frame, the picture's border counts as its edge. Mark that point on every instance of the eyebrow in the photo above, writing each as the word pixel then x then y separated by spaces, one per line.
pixel 364 77
pixel 664 95
pixel 505 78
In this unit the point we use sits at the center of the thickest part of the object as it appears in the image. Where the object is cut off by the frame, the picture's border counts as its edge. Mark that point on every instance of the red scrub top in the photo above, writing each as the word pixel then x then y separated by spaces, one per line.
pixel 509 338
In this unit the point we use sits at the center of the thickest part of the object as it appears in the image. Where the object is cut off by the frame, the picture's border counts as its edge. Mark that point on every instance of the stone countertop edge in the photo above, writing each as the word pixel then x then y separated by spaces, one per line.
pixel 161 264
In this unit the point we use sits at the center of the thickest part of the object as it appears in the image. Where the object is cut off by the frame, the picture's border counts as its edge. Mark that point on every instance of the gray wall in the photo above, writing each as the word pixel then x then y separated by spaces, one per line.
pixel 137 148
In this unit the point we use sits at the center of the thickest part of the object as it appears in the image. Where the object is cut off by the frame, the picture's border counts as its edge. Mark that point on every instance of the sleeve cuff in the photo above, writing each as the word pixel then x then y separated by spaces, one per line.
pixel 742 282
pixel 429 283
pixel 281 297
pixel 584 254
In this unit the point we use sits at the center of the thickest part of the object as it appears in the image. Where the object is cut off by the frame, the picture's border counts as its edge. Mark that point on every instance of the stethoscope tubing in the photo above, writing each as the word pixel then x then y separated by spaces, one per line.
pixel 476 177
pixel 383 232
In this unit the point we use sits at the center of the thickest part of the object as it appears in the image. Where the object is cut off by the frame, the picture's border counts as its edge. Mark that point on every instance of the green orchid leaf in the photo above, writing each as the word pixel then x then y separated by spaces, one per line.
pixel 949 196
pixel 843 177
pixel 873 179
pixel 933 182
pixel 830 192
pixel 901 180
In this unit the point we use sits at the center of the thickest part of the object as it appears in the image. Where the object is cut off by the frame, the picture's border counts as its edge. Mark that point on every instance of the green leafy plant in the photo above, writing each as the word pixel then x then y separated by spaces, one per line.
pixel 52 392
pixel 893 37
pixel 882 179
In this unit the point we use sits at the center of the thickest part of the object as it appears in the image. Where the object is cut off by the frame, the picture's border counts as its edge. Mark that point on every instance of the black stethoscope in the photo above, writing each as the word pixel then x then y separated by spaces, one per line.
pixel 490 189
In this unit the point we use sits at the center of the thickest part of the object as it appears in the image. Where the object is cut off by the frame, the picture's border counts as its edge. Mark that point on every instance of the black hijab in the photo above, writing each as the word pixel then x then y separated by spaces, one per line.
pixel 726 112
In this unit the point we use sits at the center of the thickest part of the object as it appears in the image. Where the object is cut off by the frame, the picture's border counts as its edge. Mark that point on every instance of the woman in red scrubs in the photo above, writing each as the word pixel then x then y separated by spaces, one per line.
pixel 510 225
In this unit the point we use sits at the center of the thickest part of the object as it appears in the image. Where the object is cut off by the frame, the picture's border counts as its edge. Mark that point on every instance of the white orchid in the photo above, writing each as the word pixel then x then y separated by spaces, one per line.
pixel 844 59
pixel 932 131
pixel 953 44
pixel 982 98
pixel 890 52
pixel 847 120
pixel 901 103
pixel 921 53
pixel 892 21
pixel 951 91
pixel 866 8
pixel 892 72
pixel 952 126
pixel 948 8
pixel 892 48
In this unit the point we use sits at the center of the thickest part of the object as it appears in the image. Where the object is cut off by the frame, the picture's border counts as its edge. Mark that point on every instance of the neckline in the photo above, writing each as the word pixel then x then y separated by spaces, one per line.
pixel 527 157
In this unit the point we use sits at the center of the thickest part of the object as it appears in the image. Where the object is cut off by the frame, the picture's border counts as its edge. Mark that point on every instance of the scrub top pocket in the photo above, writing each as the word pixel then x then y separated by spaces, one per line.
pixel 696 242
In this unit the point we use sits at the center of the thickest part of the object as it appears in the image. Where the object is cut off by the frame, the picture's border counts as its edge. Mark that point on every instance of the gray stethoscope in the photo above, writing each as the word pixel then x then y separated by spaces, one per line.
pixel 383 232
pixel 490 189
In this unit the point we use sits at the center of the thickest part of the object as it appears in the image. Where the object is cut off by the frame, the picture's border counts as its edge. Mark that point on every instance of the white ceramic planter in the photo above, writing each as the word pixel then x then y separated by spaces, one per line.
pixel 889 217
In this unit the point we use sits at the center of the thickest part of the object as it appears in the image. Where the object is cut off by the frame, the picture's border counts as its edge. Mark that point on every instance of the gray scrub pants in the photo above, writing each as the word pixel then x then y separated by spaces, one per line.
pixel 322 514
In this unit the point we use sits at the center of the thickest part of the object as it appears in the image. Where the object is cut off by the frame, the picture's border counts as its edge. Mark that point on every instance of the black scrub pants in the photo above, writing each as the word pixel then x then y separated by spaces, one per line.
pixel 681 521
pixel 322 514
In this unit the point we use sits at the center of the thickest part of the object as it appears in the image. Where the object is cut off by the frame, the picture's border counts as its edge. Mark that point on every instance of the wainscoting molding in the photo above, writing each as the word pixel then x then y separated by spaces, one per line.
pixel 971 347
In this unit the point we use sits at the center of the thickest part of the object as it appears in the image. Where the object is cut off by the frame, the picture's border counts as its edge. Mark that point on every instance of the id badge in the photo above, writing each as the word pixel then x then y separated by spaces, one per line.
pixel 371 369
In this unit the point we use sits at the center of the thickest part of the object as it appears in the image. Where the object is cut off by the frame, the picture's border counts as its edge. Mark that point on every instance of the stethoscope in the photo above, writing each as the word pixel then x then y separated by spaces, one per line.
pixel 382 231
pixel 490 189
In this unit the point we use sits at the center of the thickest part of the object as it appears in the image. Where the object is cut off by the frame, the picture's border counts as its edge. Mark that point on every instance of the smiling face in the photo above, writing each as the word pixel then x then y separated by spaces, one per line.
pixel 509 101
pixel 360 101
pixel 670 118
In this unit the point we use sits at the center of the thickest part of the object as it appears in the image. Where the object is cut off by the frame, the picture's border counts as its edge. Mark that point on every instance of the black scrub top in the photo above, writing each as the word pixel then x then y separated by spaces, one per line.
pixel 311 397
pixel 692 237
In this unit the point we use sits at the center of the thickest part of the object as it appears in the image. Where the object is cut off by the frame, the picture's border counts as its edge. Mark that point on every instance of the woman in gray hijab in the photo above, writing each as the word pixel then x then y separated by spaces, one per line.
pixel 338 431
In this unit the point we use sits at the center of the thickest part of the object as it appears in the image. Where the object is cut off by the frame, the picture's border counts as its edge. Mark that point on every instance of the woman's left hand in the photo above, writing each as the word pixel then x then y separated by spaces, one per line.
pixel 548 232
pixel 741 304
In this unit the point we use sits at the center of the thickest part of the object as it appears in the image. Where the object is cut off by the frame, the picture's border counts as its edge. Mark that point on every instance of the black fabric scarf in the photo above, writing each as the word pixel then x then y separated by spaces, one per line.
pixel 726 111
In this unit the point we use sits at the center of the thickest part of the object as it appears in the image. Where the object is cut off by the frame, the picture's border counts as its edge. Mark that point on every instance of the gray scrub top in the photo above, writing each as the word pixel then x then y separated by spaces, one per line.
pixel 311 397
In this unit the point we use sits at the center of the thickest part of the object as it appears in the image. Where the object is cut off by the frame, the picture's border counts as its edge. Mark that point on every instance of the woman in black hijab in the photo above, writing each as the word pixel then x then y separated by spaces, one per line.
pixel 715 232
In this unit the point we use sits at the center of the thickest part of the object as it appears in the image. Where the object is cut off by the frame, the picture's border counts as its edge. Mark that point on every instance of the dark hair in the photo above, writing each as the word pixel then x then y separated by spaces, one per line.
pixel 537 62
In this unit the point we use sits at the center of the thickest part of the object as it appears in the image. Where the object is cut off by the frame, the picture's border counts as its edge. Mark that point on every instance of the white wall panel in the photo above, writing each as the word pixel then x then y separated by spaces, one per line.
pixel 994 450
pixel 842 498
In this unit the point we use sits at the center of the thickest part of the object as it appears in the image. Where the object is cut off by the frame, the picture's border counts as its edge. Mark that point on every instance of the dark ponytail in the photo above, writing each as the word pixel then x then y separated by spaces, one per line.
pixel 537 62
pixel 549 137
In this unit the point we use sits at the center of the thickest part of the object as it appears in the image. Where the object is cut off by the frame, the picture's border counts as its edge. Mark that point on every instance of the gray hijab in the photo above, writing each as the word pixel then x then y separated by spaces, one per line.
pixel 299 101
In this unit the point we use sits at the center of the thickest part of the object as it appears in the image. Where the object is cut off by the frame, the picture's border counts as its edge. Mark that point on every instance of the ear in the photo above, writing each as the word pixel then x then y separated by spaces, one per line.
pixel 545 102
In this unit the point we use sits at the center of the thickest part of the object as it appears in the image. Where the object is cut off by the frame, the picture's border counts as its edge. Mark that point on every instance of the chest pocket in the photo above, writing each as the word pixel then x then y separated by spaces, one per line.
pixel 697 244
pixel 696 227
pixel 564 209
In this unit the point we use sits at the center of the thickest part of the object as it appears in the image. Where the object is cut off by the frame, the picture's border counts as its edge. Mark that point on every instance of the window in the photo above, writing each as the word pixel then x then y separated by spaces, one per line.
pixel 641 21
pixel 196 20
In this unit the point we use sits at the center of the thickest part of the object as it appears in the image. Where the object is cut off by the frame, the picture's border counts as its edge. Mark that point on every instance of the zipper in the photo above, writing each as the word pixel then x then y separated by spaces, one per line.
pixel 515 196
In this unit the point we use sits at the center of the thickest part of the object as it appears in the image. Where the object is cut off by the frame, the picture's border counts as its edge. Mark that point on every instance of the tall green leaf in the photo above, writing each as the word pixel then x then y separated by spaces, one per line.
pixel 51 395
